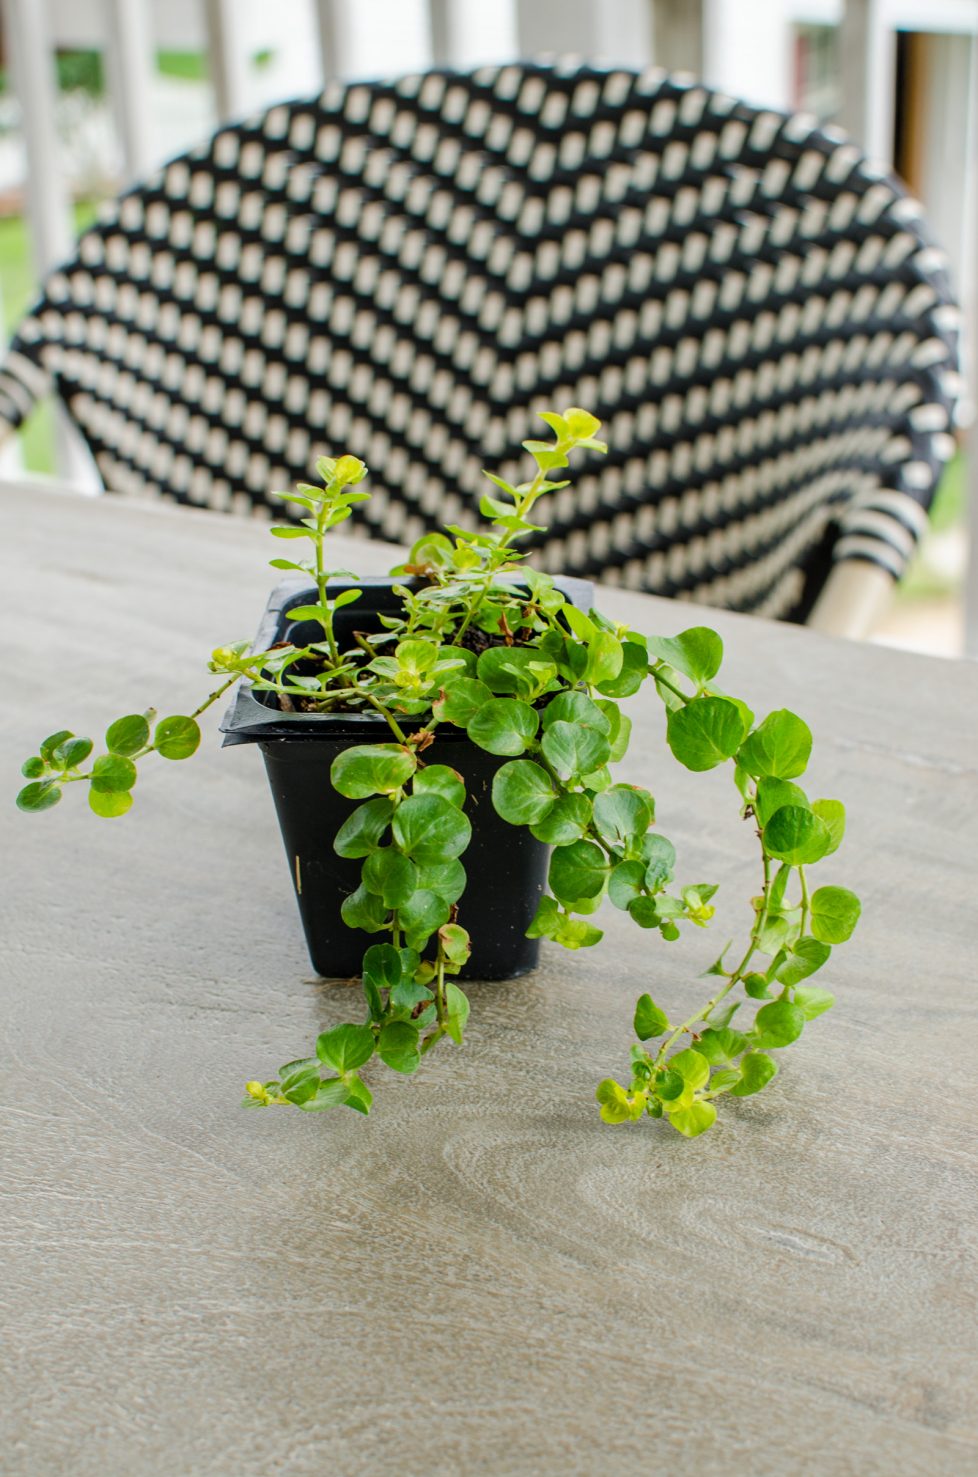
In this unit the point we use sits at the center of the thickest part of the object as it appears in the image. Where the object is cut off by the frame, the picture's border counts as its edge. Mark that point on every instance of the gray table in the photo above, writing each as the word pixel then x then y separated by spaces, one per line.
pixel 481 1278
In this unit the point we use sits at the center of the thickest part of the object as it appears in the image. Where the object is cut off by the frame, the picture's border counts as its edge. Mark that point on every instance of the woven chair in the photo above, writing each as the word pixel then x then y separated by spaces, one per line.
pixel 404 269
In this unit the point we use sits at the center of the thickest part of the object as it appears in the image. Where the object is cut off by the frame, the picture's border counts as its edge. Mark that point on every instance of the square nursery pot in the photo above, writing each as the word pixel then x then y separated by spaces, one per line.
pixel 506 866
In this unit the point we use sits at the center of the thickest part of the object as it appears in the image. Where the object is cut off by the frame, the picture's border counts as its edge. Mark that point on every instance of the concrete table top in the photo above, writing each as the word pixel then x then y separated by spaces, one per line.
pixel 482 1277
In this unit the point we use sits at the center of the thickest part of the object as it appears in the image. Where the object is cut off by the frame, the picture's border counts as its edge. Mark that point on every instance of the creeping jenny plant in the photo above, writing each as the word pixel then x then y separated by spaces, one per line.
pixel 544 692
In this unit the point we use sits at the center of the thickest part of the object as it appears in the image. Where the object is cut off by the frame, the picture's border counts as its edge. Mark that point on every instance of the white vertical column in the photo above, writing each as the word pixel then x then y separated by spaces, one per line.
pixel 35 81
pixel 615 31
pixel 131 71
pixel 468 33
pixel 867 49
pixel 970 296
pixel 336 41
pixel 227 59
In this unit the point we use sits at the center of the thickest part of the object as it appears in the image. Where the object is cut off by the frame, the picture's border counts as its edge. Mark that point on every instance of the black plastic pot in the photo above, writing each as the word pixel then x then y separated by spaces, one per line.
pixel 506 867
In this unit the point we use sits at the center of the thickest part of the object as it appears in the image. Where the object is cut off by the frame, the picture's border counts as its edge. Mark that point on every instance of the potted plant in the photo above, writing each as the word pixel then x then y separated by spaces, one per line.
pixel 472 704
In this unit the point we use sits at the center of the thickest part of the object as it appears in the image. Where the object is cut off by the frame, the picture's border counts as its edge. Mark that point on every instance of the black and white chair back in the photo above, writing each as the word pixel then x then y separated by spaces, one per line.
pixel 404 269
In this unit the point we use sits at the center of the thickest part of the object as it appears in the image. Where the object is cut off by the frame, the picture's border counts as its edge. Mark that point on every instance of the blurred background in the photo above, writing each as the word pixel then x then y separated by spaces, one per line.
pixel 96 93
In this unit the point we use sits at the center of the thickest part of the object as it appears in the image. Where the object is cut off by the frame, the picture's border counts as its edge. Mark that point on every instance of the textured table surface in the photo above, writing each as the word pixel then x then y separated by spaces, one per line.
pixel 482 1277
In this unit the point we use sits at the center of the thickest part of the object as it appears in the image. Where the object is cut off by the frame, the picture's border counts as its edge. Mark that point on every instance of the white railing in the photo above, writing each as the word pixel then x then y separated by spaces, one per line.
pixel 742 46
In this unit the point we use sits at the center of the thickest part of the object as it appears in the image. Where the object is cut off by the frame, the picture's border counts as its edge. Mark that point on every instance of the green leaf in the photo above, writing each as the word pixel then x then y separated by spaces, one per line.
pixel 430 829
pixel 659 856
pixel 363 910
pixel 372 769
pixel 574 750
pixel 835 913
pixel 773 794
pixel 346 1047
pixel 577 871
pixel 807 955
pixel 458 1011
pixel 670 1086
pixel 463 698
pixel 108 804
pixel 54 741
pixel 332 1093
pixel 757 987
pixel 446 878
pixel 692 1066
pixel 176 737
pixel 565 821
pixel 112 773
pixel 756 1071
pixel 382 966
pixel 622 814
pixel 422 915
pixel 626 883
pixel 649 1019
pixel 127 735
pixel 694 1119
pixel 644 912
pixel 795 835
pixel 721 1045
pixel 509 670
pixel 358 1095
pixel 604 658
pixel 361 832
pixel 697 653
pixel 397 1046
pixel 440 779
pixel 832 814
pixel 779 1023
pixel 455 943
pixel 779 748
pixel 390 875
pixel 615 1107
pixel 72 752
pixel 504 725
pixel 705 732
pixel 578 708
pixel 812 1001
pixel 724 1079
pixel 33 768
pixel 40 795
pixel 633 672
pixel 522 792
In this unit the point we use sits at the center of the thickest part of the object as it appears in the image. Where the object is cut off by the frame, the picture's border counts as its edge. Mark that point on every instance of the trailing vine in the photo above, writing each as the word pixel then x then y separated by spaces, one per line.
pixel 487 644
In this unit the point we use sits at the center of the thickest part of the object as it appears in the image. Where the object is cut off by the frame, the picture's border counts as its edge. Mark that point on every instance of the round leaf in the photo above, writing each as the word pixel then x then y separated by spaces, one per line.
pixel 111 774
pixel 346 1047
pixel 832 814
pixel 72 752
pixel 779 1023
pixel 565 821
pixel 382 966
pixel 522 792
pixel 109 803
pixel 695 1119
pixel 53 742
pixel 576 707
pixel 372 769
pixel 575 750
pixel 176 738
pixel 621 814
pixel 440 779
pixel 127 735
pixel 430 829
pixel 835 913
pixel 504 725
pixel 795 835
pixel 397 1046
pixel 361 832
pixel 463 698
pixel 773 794
pixel 40 795
pixel 705 732
pixel 577 871
pixel 633 672
pixel 390 875
pixel 697 653
pixel 756 1071
pixel 779 748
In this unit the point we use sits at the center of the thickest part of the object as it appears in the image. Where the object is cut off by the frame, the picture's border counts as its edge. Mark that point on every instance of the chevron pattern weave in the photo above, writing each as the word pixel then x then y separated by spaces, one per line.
pixel 401 269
